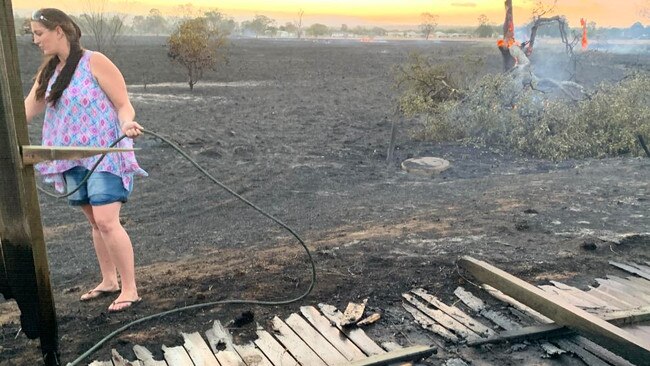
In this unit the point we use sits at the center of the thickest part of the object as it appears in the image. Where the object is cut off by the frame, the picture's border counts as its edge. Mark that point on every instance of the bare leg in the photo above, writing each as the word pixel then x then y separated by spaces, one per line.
pixel 106 266
pixel 119 249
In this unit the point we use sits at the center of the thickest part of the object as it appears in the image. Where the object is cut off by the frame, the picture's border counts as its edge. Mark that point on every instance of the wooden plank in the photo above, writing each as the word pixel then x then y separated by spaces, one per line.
pixel 443 319
pixel 315 340
pixel 404 354
pixel 641 267
pixel 428 324
pixel 24 253
pixel 641 282
pixel 584 295
pixel 516 304
pixel 198 350
pixel 478 306
pixel 221 344
pixel 585 355
pixel 631 269
pixel 627 317
pixel 570 298
pixel 273 350
pixel 599 351
pixel 295 345
pixel 455 313
pixel 643 332
pixel 547 331
pixel 356 335
pixel 552 330
pixel 118 360
pixel 332 334
pixel 633 286
pixel 607 335
pixel 472 302
pixel 145 357
pixel 176 356
pixel 610 298
pixel 252 356
pixel 624 288
pixel 620 292
pixel 33 154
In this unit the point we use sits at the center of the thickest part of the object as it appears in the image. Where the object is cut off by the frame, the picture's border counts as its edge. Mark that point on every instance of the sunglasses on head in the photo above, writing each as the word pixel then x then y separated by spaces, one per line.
pixel 38 16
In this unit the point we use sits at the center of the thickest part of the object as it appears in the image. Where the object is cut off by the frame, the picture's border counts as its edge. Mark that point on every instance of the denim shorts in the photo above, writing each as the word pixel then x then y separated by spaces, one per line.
pixel 101 188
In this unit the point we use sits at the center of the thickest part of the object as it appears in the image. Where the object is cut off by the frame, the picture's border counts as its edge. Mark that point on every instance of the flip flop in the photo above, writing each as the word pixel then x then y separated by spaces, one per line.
pixel 132 303
pixel 97 294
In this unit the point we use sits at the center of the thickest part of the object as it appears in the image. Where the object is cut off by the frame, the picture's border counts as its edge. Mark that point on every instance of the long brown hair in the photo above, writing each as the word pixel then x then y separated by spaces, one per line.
pixel 51 18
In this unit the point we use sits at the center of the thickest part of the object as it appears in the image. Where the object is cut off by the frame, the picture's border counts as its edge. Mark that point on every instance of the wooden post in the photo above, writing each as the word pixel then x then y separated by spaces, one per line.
pixel 24 271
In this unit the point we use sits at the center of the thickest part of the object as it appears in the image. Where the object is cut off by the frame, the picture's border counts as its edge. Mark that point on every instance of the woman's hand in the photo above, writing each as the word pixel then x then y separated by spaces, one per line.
pixel 131 129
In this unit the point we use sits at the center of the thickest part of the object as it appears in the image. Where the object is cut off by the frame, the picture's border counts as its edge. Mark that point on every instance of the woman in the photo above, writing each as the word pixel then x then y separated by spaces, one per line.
pixel 85 101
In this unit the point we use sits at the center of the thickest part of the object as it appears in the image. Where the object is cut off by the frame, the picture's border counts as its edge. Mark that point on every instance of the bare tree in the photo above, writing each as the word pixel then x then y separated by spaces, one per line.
pixel 429 24
pixel 104 28
pixel 300 14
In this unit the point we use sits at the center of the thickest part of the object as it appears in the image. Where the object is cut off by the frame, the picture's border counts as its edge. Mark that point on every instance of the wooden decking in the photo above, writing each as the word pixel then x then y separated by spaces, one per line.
pixel 622 301
pixel 312 337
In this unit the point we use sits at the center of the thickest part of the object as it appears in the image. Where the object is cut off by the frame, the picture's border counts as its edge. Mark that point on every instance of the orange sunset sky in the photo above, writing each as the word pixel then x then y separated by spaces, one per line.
pixel 606 13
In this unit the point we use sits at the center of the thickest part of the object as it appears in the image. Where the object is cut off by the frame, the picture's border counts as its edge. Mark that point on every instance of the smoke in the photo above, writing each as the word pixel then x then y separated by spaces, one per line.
pixel 622 47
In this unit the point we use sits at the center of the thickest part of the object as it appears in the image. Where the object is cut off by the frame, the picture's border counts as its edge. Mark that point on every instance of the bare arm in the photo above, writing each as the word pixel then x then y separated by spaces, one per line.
pixel 33 107
pixel 111 81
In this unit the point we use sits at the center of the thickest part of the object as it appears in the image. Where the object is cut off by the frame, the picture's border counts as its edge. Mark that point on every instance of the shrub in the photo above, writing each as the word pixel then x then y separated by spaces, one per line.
pixel 497 111
pixel 197 47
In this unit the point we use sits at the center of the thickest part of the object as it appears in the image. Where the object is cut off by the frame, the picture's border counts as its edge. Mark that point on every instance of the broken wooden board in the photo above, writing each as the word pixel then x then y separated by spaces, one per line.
pixel 275 352
pixel 404 354
pixel 176 356
pixel 353 313
pixel 479 307
pixel 455 313
pixel 118 360
pixel 608 335
pixel 252 356
pixel 198 350
pixel 332 334
pixel 430 325
pixel 221 344
pixel 372 318
pixel 315 340
pixel 640 270
pixel 356 335
pixel 145 357
pixel 443 319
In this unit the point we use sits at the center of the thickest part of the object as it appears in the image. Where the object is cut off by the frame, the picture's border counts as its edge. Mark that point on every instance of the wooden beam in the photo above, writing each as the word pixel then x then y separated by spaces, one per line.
pixel 551 330
pixel 33 154
pixel 607 335
pixel 23 244
pixel 404 354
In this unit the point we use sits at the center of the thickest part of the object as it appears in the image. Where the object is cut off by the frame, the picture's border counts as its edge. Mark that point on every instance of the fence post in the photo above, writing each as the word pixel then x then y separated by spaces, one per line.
pixel 24 271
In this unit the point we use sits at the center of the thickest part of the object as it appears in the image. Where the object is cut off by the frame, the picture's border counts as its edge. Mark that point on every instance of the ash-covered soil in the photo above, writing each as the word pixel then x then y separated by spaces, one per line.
pixel 301 129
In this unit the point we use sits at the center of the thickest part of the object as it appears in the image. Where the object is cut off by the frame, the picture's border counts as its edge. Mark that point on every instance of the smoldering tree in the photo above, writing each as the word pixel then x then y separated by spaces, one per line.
pixel 197 47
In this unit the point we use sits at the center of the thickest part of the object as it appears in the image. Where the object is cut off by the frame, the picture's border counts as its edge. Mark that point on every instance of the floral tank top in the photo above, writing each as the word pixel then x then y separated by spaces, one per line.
pixel 85 117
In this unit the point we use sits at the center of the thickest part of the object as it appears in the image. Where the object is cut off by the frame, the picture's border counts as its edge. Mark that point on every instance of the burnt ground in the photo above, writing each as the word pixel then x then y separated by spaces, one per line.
pixel 301 129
